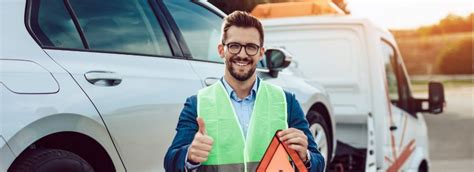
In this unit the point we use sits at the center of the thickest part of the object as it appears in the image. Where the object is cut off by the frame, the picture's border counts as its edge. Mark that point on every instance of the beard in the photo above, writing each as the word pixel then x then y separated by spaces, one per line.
pixel 241 76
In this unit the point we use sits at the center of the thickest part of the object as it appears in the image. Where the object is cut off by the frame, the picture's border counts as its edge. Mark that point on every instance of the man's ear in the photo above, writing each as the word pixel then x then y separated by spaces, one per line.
pixel 220 49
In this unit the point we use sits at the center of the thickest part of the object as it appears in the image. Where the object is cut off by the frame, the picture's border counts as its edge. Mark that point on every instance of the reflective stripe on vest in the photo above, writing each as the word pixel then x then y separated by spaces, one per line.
pixel 231 151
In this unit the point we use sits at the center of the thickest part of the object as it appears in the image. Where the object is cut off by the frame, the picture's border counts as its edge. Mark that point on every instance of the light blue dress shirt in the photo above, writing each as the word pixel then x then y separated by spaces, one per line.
pixel 243 107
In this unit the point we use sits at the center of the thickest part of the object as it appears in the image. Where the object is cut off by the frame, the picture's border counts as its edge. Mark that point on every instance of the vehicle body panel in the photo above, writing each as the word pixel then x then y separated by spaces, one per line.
pixel 343 54
pixel 26 118
pixel 134 118
pixel 6 155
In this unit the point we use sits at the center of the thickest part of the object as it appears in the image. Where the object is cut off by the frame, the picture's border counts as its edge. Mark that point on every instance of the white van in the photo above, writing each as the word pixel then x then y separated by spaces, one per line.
pixel 380 125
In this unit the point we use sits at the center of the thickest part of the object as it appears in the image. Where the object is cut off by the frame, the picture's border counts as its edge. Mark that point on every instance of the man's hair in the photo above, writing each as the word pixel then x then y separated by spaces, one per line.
pixel 241 19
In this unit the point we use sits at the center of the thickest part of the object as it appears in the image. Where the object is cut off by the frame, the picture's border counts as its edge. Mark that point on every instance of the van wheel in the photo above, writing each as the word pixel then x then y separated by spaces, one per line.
pixel 50 160
pixel 423 167
pixel 321 134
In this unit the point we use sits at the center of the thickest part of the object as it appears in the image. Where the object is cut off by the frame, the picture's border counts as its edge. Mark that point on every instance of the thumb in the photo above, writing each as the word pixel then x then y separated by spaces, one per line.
pixel 202 126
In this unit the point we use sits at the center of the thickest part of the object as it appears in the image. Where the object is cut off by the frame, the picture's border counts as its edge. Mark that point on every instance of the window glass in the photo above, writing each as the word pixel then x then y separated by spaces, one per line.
pixel 262 64
pixel 121 26
pixel 404 88
pixel 390 64
pixel 54 26
pixel 200 28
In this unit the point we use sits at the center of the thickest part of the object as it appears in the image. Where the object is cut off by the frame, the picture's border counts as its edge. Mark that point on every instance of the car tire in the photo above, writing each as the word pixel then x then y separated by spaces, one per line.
pixel 50 160
pixel 321 134
pixel 423 168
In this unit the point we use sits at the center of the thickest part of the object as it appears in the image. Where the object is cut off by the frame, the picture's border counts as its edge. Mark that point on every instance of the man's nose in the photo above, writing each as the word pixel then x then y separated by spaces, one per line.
pixel 242 53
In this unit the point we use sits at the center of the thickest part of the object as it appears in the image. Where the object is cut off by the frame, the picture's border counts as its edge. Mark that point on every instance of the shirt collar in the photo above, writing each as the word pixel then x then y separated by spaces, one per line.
pixel 234 96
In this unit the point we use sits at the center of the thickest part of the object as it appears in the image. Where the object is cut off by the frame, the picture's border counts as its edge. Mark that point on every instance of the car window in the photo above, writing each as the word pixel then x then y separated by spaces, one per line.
pixel 404 83
pixel 262 64
pixel 199 27
pixel 390 73
pixel 121 26
pixel 53 26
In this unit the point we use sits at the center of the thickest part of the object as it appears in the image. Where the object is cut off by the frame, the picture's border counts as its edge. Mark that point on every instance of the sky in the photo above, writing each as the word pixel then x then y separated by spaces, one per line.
pixel 408 14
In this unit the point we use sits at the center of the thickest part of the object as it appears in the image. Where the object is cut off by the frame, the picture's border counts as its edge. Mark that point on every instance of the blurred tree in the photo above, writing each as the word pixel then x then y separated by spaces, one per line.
pixel 229 6
pixel 457 58
pixel 450 24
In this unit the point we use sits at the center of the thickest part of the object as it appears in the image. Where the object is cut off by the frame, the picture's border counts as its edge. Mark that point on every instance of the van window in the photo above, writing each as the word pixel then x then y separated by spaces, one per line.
pixel 390 64
pixel 121 26
pixel 396 75
pixel 404 84
pixel 200 28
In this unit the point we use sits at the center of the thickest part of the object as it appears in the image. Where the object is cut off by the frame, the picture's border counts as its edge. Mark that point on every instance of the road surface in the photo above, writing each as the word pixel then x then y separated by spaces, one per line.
pixel 451 134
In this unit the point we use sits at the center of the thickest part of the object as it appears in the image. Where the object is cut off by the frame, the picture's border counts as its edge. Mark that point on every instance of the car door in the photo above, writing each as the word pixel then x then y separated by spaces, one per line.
pixel 401 123
pixel 129 64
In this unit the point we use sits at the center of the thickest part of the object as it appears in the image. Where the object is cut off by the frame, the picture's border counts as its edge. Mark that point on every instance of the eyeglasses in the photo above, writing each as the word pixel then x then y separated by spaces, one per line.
pixel 235 48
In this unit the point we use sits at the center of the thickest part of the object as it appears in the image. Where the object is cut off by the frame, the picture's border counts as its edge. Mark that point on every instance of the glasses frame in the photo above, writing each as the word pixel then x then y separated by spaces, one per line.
pixel 242 45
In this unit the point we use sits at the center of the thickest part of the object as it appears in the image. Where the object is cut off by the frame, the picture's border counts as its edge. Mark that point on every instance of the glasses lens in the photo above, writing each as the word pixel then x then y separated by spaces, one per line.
pixel 234 47
pixel 251 49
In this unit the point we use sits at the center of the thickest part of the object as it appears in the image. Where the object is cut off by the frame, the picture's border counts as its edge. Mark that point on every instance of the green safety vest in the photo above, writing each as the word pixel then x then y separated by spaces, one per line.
pixel 231 151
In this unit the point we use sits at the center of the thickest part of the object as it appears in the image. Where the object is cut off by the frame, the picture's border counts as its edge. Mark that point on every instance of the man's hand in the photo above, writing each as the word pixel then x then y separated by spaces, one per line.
pixel 296 140
pixel 201 145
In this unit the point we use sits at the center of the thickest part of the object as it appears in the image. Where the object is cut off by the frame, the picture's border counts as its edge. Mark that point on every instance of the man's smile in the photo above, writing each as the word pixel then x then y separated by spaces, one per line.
pixel 241 62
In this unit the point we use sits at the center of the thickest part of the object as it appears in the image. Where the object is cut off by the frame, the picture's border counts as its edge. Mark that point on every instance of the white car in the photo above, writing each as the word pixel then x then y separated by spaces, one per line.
pixel 99 85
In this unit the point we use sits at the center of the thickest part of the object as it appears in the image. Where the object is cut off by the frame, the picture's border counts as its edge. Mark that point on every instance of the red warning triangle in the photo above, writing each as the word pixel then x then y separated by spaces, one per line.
pixel 276 158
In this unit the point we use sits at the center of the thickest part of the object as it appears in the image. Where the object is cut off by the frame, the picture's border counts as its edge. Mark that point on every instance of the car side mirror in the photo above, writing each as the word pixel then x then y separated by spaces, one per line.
pixel 276 60
pixel 435 102
pixel 436 97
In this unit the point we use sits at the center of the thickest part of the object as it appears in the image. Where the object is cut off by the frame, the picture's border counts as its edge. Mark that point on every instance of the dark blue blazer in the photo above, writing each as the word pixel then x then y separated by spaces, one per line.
pixel 187 128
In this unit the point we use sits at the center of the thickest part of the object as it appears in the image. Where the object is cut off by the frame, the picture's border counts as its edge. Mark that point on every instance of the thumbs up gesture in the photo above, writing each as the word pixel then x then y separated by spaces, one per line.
pixel 201 145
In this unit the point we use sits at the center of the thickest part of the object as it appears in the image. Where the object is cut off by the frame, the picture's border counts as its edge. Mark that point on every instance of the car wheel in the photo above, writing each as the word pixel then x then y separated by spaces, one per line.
pixel 50 160
pixel 321 134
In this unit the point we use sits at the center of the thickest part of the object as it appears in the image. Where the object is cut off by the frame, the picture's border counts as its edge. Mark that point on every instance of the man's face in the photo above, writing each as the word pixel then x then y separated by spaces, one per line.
pixel 241 66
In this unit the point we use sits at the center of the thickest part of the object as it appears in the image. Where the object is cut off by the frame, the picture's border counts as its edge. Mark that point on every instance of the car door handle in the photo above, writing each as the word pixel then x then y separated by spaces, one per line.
pixel 210 80
pixel 103 78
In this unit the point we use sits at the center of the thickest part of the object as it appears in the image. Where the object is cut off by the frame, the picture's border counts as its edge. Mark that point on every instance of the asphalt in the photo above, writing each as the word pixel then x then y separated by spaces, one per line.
pixel 451 133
